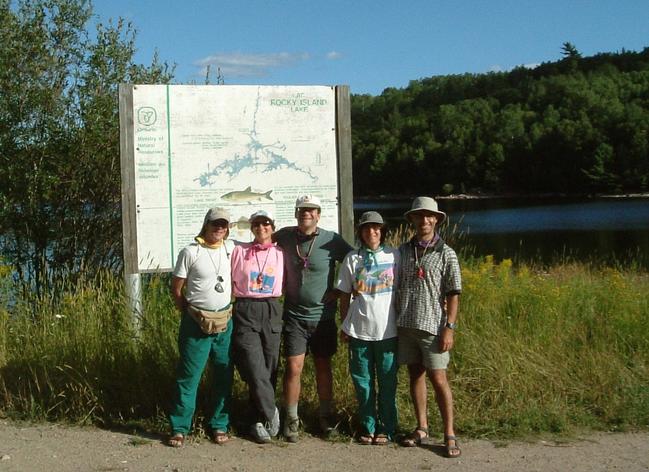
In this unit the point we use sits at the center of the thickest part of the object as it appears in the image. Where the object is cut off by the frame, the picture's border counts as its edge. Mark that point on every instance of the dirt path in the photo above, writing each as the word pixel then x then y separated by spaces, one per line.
pixel 54 448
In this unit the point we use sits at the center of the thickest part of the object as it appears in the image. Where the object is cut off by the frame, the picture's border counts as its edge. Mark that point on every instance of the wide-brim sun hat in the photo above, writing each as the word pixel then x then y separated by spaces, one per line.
pixel 425 204
pixel 308 201
pixel 370 217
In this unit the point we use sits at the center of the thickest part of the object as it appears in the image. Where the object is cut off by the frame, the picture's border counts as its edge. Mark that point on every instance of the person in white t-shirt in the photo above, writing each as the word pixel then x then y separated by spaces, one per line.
pixel 369 327
pixel 201 280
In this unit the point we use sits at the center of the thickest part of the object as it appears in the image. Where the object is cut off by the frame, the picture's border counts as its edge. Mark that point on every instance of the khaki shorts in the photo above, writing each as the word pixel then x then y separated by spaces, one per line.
pixel 420 347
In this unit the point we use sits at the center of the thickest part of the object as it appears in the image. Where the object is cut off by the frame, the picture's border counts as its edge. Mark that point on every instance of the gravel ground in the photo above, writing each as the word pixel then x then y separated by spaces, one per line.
pixel 54 448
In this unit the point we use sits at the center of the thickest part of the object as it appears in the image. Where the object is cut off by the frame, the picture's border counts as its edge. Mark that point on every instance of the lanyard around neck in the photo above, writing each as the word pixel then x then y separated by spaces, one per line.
pixel 305 258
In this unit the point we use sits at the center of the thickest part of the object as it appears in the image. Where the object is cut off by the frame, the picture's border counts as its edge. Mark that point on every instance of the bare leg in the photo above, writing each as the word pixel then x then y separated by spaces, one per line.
pixel 444 398
pixel 418 393
pixel 323 377
pixel 292 375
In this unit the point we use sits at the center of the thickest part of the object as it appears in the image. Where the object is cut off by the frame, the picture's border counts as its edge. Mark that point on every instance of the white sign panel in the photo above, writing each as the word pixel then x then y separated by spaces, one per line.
pixel 243 148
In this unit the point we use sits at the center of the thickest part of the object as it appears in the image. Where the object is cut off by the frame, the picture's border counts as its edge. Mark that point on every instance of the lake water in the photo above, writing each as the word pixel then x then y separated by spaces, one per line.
pixel 605 230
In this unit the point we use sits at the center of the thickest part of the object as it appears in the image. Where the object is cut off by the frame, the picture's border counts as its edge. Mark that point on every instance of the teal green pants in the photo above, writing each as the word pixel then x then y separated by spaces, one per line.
pixel 196 348
pixel 373 362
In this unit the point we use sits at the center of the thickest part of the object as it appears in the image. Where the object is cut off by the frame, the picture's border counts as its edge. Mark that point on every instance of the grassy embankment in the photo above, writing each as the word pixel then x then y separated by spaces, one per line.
pixel 537 351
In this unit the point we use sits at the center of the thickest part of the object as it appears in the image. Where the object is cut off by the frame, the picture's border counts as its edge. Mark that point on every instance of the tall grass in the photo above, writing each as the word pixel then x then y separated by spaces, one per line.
pixel 536 351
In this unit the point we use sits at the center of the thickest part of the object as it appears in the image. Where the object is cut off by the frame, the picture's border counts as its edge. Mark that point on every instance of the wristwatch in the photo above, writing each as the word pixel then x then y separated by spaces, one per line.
pixel 450 325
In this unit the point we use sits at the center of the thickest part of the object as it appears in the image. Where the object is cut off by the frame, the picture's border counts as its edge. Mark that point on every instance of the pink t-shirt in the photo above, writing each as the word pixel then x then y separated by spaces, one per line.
pixel 257 272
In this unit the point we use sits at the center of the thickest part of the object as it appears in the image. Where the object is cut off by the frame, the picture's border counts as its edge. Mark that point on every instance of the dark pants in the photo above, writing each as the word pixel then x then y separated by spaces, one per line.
pixel 256 338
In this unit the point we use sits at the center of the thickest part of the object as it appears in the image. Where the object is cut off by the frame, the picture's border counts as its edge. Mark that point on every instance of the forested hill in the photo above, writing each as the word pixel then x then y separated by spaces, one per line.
pixel 578 125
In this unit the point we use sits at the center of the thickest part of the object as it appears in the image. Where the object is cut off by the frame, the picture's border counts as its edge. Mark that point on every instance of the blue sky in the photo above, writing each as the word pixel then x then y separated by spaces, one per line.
pixel 370 45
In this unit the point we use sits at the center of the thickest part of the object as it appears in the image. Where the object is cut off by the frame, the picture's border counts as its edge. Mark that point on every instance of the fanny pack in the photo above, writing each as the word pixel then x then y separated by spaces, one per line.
pixel 211 322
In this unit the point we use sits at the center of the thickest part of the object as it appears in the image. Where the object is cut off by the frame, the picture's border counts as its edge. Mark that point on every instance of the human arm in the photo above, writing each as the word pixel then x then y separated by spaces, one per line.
pixel 177 286
pixel 344 289
pixel 344 308
pixel 446 339
pixel 331 296
pixel 340 250
pixel 453 288
pixel 280 236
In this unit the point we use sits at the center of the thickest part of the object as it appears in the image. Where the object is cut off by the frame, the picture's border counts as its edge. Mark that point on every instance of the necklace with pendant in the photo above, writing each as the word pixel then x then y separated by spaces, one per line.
pixel 420 270
pixel 219 280
pixel 305 259
pixel 260 276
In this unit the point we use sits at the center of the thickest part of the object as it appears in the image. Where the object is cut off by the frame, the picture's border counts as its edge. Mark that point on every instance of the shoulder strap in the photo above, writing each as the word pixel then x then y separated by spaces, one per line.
pixel 228 251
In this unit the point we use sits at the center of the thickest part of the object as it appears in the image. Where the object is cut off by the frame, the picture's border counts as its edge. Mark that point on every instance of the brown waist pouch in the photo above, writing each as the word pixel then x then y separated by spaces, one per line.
pixel 211 322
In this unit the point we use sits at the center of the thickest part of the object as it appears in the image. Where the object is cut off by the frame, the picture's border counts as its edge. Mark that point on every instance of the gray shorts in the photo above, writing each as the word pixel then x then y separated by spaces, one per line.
pixel 420 347
pixel 318 337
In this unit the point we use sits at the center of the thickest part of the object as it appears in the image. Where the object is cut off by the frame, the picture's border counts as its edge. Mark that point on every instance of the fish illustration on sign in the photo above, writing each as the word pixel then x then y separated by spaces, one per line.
pixel 241 224
pixel 246 195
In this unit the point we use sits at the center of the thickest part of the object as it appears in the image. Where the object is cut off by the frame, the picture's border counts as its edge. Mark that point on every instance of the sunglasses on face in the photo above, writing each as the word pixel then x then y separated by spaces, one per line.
pixel 219 223
pixel 260 223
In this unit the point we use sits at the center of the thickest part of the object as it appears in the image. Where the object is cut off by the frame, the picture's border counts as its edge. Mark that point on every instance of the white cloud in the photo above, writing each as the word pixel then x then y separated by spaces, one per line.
pixel 333 55
pixel 531 66
pixel 495 68
pixel 249 65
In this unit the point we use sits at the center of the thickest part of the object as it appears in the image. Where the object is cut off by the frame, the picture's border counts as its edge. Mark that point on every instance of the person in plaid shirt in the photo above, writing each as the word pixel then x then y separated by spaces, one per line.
pixel 427 302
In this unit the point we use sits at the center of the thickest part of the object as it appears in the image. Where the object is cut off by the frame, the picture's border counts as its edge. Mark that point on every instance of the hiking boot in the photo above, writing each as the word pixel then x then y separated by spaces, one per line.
pixel 327 427
pixel 259 433
pixel 273 425
pixel 291 429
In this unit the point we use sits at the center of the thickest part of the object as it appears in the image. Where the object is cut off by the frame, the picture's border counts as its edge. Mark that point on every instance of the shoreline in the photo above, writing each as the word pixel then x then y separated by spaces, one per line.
pixel 479 196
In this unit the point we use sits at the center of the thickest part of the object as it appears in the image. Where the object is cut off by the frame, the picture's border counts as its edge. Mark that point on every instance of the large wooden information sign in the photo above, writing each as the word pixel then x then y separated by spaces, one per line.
pixel 185 149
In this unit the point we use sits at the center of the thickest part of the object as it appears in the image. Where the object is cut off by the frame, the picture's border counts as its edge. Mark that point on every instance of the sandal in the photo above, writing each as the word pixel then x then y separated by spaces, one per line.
pixel 176 440
pixel 220 437
pixel 365 439
pixel 452 451
pixel 381 440
pixel 414 439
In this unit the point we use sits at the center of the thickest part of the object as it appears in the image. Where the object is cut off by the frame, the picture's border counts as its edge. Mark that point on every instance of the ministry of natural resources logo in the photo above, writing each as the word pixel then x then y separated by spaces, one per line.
pixel 146 116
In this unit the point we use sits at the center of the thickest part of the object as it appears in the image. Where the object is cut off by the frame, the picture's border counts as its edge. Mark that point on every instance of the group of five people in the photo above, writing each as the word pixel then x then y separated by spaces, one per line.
pixel 397 306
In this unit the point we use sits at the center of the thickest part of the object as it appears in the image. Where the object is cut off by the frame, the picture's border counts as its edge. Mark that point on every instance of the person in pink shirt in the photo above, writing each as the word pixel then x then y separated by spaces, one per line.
pixel 257 278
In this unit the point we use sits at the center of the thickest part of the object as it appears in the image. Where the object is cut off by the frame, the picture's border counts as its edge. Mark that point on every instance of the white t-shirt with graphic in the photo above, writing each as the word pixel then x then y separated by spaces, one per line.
pixel 371 278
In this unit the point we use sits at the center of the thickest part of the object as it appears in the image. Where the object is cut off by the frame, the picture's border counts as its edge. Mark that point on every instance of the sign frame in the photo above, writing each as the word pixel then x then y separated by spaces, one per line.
pixel 127 116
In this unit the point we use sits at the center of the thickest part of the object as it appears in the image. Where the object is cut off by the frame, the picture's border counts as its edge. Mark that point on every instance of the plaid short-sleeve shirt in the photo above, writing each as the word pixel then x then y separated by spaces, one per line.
pixel 421 300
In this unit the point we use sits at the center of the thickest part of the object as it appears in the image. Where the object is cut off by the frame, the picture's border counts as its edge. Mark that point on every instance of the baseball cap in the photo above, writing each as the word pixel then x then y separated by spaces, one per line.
pixel 261 214
pixel 217 213
pixel 307 201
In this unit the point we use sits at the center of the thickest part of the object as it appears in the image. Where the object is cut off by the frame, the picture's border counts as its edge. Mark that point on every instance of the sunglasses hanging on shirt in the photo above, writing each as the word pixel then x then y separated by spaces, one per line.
pixel 219 279
pixel 219 286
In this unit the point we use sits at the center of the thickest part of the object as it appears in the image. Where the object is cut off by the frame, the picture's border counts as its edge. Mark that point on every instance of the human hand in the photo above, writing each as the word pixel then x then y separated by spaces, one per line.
pixel 446 339
pixel 330 297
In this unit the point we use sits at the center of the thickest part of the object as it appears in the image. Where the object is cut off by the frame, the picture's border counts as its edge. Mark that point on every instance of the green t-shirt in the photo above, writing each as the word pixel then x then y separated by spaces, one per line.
pixel 310 274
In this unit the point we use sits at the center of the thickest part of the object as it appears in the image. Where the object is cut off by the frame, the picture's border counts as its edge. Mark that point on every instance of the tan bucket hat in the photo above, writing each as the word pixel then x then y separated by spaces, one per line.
pixel 428 204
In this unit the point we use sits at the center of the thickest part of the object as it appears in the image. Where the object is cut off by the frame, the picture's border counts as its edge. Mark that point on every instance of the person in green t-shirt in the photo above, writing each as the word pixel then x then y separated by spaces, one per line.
pixel 310 302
